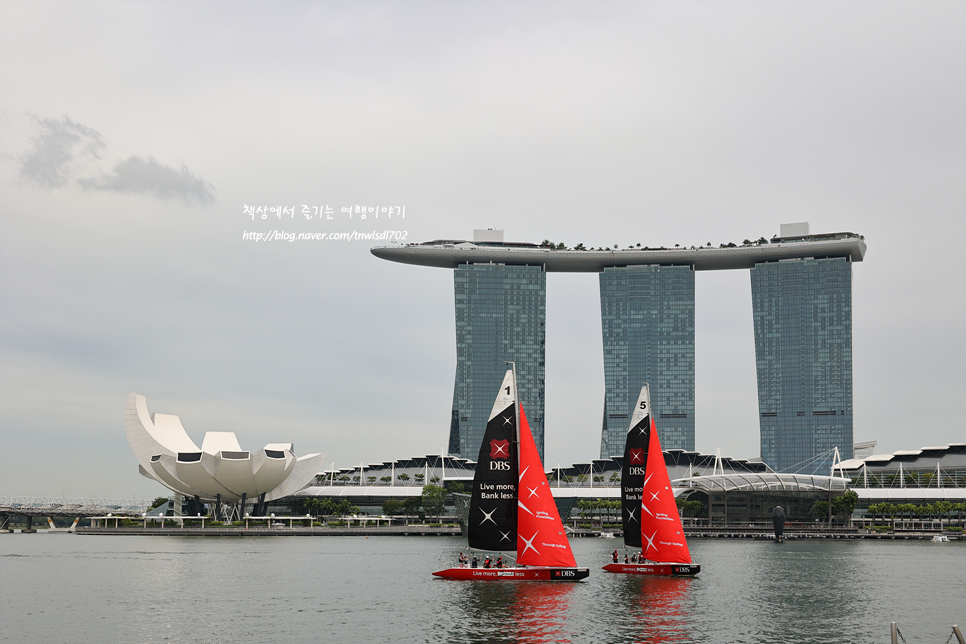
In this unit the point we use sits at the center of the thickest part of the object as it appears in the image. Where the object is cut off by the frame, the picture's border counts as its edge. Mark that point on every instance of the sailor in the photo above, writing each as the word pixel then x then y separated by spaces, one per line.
pixel 614 556
pixel 626 559
pixel 499 562
pixel 486 562
pixel 475 561
pixel 462 559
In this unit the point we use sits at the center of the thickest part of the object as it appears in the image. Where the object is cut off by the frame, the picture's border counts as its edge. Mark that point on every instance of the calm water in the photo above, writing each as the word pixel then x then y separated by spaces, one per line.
pixel 93 589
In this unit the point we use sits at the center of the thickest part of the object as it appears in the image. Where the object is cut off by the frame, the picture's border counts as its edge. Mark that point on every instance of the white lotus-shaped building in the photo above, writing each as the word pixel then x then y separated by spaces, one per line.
pixel 220 470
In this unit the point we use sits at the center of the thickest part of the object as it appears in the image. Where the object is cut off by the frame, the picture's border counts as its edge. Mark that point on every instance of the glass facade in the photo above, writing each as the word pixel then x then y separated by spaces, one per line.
pixel 500 315
pixel 803 347
pixel 647 319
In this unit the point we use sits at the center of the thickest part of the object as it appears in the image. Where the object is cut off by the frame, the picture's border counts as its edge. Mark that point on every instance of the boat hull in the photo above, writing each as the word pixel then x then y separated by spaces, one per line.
pixel 666 569
pixel 532 573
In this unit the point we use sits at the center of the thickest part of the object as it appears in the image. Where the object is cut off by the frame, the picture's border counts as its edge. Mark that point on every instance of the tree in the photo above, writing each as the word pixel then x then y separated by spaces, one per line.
pixel 580 246
pixel 386 479
pixel 845 504
pixel 403 477
pixel 392 507
pixel 158 502
pixel 820 510
pixel 412 504
pixel 433 499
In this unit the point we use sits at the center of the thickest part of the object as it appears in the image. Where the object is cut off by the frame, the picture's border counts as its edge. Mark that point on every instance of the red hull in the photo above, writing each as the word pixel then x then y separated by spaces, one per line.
pixel 667 569
pixel 533 573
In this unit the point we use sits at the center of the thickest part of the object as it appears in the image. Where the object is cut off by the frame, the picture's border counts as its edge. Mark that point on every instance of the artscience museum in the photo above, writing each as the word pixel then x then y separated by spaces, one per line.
pixel 219 472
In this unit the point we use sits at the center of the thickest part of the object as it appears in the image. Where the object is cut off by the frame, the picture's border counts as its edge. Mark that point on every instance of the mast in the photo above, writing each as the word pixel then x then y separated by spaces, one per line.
pixel 516 409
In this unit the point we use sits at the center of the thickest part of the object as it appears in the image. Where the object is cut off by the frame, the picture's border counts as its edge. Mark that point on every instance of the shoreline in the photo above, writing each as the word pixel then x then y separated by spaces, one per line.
pixel 450 531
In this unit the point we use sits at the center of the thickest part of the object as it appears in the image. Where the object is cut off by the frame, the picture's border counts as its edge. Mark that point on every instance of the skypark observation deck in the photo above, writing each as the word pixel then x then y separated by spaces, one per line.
pixel 453 253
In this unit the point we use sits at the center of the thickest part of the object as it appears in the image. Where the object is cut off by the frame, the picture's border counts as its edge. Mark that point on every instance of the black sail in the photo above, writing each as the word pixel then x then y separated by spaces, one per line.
pixel 493 506
pixel 633 469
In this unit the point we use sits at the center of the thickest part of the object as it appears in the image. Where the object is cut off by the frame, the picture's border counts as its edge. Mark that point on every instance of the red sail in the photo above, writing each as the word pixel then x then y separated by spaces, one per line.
pixel 662 535
pixel 541 540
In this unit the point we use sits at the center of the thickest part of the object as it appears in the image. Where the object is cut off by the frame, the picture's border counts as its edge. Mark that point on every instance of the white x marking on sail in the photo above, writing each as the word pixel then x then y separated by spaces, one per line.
pixel 499 449
pixel 533 492
pixel 630 514
pixel 654 496
pixel 650 540
pixel 487 516
pixel 529 543
pixel 506 536
pixel 508 420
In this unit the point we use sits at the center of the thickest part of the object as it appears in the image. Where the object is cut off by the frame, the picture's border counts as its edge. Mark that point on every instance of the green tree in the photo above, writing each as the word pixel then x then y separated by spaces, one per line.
pixel 386 479
pixel 845 504
pixel 433 498
pixel 820 510
pixel 411 504
pixel 392 507
pixel 403 477
pixel 158 502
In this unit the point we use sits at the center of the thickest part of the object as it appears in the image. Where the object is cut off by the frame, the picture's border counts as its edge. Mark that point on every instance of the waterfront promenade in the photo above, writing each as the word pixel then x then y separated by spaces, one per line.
pixel 413 530
pixel 422 530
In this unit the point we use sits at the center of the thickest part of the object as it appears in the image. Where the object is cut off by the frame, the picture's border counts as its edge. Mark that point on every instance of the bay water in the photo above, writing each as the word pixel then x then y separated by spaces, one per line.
pixel 93 589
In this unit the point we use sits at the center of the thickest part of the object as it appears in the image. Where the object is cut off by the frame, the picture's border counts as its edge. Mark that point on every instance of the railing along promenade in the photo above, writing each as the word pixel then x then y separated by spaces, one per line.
pixel 53 507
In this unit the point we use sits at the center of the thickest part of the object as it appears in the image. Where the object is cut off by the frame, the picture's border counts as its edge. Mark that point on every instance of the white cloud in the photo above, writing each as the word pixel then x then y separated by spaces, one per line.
pixel 145 176
pixel 48 163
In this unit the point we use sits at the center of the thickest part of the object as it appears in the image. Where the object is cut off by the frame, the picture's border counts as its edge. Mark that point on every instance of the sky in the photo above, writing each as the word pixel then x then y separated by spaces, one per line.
pixel 137 137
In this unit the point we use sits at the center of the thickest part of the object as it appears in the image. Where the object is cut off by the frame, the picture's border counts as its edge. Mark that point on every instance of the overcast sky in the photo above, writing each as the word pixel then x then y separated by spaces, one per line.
pixel 133 136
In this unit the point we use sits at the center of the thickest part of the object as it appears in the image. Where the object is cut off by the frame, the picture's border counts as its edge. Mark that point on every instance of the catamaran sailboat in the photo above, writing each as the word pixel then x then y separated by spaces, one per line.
pixel 649 512
pixel 511 507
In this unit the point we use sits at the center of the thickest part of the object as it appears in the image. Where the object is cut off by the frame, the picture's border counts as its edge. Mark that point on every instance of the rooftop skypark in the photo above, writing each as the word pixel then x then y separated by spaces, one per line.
pixel 556 258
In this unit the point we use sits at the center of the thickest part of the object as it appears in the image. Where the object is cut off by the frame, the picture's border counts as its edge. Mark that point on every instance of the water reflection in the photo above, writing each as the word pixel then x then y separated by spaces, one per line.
pixel 540 610
pixel 658 609
pixel 510 612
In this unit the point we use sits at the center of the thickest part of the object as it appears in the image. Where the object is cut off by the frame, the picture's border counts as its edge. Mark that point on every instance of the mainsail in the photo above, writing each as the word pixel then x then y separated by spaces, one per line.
pixel 541 540
pixel 633 468
pixel 661 530
pixel 493 507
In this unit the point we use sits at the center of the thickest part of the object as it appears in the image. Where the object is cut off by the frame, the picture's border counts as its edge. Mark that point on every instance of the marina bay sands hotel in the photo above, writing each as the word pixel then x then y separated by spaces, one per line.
pixel 801 286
